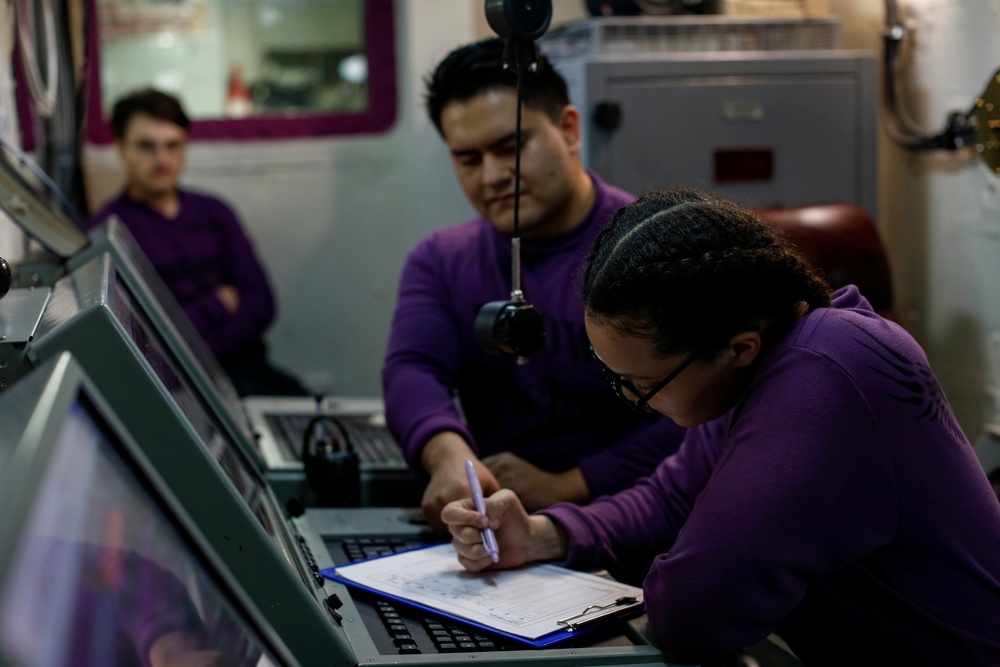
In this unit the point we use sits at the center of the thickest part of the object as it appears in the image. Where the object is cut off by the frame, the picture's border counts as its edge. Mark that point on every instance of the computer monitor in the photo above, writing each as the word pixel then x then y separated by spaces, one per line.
pixel 264 426
pixel 99 563
pixel 161 308
pixel 33 207
pixel 34 204
pixel 274 559
pixel 92 314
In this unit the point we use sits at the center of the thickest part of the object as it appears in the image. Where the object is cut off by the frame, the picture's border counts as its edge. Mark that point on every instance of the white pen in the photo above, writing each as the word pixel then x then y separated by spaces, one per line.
pixel 489 539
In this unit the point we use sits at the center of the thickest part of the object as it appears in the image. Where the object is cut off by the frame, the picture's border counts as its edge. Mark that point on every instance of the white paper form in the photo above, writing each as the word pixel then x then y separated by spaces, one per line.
pixel 527 602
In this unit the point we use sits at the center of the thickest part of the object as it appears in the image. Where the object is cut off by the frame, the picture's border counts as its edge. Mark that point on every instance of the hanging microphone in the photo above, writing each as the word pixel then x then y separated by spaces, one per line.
pixel 526 19
pixel 514 327
pixel 510 327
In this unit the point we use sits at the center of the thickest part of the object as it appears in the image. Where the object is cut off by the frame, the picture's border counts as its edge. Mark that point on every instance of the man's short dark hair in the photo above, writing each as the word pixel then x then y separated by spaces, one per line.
pixel 478 67
pixel 155 103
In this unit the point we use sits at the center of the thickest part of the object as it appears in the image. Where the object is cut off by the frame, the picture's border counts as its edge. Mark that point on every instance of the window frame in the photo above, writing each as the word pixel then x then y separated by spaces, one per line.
pixel 380 50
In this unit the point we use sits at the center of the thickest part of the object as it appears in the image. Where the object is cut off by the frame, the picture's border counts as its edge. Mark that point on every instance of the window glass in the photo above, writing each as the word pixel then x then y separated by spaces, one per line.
pixel 245 68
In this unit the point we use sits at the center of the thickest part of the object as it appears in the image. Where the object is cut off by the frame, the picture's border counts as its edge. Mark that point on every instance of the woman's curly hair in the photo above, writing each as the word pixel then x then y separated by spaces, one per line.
pixel 686 269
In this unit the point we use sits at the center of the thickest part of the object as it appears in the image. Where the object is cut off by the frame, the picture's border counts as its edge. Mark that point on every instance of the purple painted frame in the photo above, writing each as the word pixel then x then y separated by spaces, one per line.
pixel 380 47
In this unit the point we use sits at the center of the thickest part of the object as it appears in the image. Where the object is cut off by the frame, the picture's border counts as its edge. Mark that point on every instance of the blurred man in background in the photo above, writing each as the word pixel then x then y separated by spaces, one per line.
pixel 195 242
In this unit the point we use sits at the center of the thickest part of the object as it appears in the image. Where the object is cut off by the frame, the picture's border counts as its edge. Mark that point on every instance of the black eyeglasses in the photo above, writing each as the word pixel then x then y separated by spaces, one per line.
pixel 641 401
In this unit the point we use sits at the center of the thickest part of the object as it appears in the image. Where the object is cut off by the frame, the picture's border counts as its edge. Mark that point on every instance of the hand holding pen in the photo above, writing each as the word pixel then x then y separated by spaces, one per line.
pixel 489 539
pixel 525 538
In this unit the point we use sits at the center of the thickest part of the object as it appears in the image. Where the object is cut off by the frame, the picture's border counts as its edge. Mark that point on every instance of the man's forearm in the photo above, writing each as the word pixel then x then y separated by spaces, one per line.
pixel 442 448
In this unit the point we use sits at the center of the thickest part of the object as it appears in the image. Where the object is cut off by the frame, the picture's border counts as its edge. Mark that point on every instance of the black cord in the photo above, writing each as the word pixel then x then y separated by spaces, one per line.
pixel 517 51
pixel 960 128
pixel 517 143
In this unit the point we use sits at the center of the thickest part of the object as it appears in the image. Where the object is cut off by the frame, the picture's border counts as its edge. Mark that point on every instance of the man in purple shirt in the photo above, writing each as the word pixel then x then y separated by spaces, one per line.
pixel 546 428
pixel 824 490
pixel 194 241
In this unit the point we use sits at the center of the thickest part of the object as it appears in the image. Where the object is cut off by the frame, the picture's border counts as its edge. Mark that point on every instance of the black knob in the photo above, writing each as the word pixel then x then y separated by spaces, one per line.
pixel 6 277
pixel 608 115
pixel 521 19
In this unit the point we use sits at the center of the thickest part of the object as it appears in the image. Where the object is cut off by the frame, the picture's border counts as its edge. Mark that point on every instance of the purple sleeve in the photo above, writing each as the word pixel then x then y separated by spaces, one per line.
pixel 777 514
pixel 422 358
pixel 224 331
pixel 209 317
pixel 626 531
pixel 770 514
pixel 774 515
pixel 616 468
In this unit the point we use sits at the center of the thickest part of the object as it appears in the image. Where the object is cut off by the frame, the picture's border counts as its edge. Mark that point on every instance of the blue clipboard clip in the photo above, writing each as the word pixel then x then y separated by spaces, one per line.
pixel 595 613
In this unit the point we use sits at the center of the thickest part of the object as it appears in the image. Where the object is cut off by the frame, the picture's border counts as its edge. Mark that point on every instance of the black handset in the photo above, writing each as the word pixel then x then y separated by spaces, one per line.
pixel 331 464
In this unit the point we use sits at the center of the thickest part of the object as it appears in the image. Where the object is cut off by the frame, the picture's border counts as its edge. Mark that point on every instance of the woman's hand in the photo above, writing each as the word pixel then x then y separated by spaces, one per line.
pixel 521 538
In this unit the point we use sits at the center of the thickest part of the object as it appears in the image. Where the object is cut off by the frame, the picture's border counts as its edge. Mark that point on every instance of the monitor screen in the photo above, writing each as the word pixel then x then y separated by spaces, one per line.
pixel 230 458
pixel 35 205
pixel 113 236
pixel 104 574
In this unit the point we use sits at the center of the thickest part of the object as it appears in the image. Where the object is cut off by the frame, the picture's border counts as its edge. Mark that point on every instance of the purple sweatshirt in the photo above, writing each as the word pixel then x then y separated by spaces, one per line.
pixel 837 504
pixel 556 411
pixel 196 252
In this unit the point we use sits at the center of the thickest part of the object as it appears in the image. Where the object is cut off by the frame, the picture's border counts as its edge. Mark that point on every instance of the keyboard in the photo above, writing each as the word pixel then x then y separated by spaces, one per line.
pixel 444 637
pixel 375 446
pixel 404 630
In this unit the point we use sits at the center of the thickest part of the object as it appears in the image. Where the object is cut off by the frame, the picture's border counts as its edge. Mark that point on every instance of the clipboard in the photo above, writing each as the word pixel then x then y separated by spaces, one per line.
pixel 596 614
pixel 431 579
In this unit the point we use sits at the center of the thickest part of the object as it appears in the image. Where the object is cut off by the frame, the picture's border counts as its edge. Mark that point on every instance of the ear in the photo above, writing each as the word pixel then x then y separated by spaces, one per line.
pixel 746 346
pixel 569 126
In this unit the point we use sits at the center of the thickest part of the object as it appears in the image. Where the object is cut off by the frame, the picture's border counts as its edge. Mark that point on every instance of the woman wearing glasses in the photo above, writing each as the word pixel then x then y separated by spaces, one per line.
pixel 824 491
